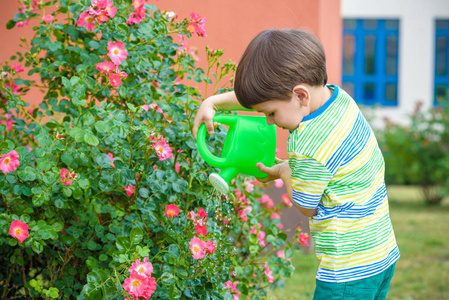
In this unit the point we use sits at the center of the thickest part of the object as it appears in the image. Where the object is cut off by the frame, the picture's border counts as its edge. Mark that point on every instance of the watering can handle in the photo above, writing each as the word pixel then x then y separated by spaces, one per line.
pixel 201 140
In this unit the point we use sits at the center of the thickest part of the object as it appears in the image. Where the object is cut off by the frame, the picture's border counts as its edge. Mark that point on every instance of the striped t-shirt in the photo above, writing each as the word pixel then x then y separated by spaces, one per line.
pixel 338 168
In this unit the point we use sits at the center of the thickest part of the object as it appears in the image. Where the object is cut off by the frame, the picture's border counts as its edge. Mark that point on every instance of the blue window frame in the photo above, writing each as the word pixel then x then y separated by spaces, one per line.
pixel 370 60
pixel 441 81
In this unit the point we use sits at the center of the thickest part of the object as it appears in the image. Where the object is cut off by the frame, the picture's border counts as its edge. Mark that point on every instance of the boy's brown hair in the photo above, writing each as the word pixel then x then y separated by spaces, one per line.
pixel 275 61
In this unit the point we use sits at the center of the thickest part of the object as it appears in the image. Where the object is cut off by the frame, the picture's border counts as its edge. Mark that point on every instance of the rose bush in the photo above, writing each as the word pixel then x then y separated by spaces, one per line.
pixel 103 192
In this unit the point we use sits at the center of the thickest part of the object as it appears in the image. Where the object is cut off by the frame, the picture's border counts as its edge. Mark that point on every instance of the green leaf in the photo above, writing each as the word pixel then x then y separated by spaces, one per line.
pixel 94 44
pixel 102 127
pixel 167 279
pixel 144 193
pixel 174 250
pixel 84 183
pixel 136 235
pixel 67 158
pixel 67 191
pixel 104 161
pixel 54 292
pixel 90 291
pixel 91 245
pixel 10 24
pixel 66 82
pixel 57 226
pixel 91 139
pixel 43 138
pixel 77 194
pixel 122 243
pixel 174 292
pixel 37 247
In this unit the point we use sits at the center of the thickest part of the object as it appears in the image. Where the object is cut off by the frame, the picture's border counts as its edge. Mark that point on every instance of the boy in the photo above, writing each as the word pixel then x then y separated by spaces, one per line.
pixel 335 169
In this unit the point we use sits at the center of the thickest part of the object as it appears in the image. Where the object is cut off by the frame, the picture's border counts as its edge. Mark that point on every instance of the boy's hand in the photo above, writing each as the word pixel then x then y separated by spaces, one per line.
pixel 281 170
pixel 205 115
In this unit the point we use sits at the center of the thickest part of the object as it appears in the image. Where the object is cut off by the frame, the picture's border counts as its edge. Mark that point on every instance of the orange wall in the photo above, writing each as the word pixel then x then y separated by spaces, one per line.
pixel 230 25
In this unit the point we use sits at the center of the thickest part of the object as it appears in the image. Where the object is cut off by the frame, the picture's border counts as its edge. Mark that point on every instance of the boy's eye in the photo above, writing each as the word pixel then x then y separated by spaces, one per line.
pixel 271 114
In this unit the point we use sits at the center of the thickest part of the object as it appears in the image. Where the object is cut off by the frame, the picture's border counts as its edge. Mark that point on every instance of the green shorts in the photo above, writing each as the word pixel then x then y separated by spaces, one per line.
pixel 371 288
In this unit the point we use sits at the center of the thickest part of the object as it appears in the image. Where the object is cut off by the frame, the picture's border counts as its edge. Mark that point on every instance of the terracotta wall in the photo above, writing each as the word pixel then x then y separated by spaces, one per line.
pixel 230 25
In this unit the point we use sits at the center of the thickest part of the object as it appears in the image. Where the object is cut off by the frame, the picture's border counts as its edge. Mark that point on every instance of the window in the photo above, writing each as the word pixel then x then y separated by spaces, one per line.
pixel 370 60
pixel 441 64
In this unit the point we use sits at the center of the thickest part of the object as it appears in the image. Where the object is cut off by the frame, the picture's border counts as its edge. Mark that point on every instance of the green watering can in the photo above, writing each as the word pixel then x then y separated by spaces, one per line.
pixel 249 140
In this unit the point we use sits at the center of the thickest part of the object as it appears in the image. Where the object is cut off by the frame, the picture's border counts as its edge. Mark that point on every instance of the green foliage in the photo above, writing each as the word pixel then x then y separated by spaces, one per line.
pixel 417 154
pixel 84 230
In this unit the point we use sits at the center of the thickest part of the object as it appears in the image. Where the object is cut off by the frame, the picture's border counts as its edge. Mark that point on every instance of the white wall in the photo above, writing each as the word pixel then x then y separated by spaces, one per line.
pixel 416 46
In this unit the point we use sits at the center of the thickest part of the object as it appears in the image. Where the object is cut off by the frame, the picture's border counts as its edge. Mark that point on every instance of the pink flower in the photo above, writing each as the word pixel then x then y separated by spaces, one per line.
pixel 48 18
pixel 115 80
pixel 150 288
pixel 197 248
pixel 136 284
pixel 260 235
pixel 210 247
pixel 116 52
pixel 243 215
pixel 144 268
pixel 105 67
pixel 280 226
pixel 237 193
pixel 137 3
pixel 17 68
pixel 202 213
pixel 269 273
pixel 19 230
pixel 177 167
pixel 163 150
pixel 145 107
pixel 275 216
pixel 280 253
pixel 278 183
pixel 201 228
pixel 167 117
pixel 171 210
pixel 87 20
pixel 66 176
pixel 155 107
pixel 192 216
pixel 140 13
pixel 8 124
pixel 130 189
pixel 112 159
pixel 233 287
pixel 249 187
pixel 22 24
pixel 13 87
pixel 9 162
pixel 199 25
pixel 286 200
pixel 192 27
pixel 267 200
pixel 170 15
pixel 303 237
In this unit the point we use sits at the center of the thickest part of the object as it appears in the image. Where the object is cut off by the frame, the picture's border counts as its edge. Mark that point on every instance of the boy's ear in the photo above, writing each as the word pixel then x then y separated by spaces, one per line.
pixel 302 94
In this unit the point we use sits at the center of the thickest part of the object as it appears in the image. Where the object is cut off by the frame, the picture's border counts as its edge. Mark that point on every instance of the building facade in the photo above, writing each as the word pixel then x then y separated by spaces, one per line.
pixel 395 54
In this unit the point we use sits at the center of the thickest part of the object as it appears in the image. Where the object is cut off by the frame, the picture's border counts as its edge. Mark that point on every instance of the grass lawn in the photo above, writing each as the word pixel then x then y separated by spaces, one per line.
pixel 422 234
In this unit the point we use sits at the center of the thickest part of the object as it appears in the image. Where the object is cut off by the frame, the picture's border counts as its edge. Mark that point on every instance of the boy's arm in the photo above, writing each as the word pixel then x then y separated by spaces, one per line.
pixel 309 212
pixel 206 112
pixel 284 172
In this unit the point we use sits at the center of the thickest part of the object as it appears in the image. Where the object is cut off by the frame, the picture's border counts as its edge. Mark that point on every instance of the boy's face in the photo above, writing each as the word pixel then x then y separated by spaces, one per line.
pixel 286 114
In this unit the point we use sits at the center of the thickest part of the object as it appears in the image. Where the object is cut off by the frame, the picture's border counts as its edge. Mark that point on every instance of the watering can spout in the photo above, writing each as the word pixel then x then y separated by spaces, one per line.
pixel 249 140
